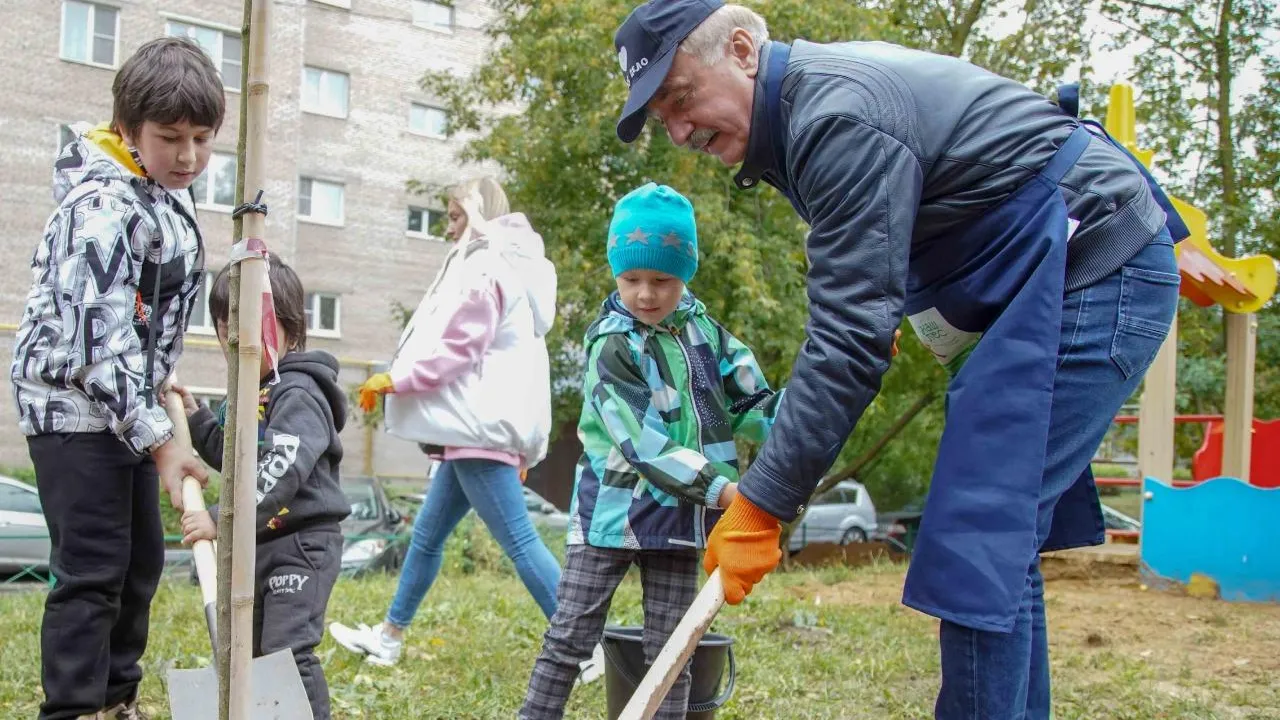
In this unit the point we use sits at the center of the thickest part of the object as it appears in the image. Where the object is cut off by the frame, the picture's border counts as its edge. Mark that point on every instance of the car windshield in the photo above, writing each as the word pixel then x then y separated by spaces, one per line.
pixel 1116 520
pixel 16 499
pixel 363 502
pixel 533 501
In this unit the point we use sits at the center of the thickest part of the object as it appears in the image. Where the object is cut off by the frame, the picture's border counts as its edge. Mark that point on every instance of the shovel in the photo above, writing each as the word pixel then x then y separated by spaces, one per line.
pixel 193 694
pixel 676 652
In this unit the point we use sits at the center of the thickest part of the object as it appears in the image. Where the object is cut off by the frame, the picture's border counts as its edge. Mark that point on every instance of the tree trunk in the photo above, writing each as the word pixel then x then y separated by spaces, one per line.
pixel 865 458
pixel 964 27
pixel 861 462
pixel 1226 149
pixel 226 499
pixel 248 276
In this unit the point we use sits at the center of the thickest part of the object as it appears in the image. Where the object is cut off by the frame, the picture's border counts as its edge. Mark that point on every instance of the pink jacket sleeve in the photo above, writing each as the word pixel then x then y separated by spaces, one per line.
pixel 467 334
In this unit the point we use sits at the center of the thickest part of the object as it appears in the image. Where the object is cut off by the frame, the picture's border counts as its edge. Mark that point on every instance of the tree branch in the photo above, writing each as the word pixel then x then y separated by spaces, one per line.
pixel 1014 42
pixel 942 13
pixel 960 35
pixel 1195 64
pixel 862 460
pixel 1181 12
pixel 1157 6
pixel 865 458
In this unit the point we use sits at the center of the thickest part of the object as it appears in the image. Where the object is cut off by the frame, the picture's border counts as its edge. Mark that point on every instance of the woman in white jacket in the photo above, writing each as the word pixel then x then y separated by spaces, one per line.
pixel 471 382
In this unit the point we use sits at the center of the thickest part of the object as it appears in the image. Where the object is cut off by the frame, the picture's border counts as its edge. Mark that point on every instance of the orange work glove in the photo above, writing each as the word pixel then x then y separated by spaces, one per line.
pixel 744 545
pixel 377 384
pixel 896 334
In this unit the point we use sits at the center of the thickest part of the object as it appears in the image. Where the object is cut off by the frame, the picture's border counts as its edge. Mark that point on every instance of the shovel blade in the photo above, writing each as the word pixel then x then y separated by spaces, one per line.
pixel 277 691
pixel 193 694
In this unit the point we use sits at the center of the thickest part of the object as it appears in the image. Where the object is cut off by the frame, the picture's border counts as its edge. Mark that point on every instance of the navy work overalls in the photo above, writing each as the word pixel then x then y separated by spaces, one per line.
pixel 1001 282
pixel 988 303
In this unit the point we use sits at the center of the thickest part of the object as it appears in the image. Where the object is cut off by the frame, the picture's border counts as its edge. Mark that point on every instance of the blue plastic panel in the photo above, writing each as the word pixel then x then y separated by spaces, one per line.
pixel 1222 528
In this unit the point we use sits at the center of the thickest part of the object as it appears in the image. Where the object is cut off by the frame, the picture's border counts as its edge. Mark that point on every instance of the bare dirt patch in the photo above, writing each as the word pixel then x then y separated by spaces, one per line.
pixel 1224 654
pixel 1178 634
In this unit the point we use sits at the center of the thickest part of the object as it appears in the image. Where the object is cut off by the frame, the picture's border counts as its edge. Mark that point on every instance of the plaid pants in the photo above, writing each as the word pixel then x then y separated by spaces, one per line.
pixel 669 579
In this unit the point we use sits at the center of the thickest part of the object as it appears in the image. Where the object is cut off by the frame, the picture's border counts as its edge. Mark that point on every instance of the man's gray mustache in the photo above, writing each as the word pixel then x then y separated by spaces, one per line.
pixel 699 139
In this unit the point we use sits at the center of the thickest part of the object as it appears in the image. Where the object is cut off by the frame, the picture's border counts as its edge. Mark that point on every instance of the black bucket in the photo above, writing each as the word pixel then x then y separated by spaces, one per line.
pixel 624 668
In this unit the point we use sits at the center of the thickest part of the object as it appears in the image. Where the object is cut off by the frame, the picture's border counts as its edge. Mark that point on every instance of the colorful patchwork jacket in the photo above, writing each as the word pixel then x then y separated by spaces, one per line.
pixel 114 283
pixel 661 408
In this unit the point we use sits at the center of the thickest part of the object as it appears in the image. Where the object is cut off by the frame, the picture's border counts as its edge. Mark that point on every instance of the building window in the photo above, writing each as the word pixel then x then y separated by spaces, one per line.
pixel 216 186
pixel 429 121
pixel 433 16
pixel 66 136
pixel 427 223
pixel 201 321
pixel 324 92
pixel 89 33
pixel 223 49
pixel 323 315
pixel 320 201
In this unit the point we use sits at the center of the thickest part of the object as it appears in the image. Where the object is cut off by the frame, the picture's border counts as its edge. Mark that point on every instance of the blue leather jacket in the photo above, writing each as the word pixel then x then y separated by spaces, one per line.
pixel 885 151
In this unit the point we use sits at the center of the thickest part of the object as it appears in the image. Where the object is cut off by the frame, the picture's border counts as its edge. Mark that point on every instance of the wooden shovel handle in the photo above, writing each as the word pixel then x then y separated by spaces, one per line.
pixel 202 551
pixel 676 652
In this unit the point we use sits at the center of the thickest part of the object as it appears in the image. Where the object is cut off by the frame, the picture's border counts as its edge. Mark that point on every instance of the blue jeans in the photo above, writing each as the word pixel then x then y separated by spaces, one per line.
pixel 495 491
pixel 1111 332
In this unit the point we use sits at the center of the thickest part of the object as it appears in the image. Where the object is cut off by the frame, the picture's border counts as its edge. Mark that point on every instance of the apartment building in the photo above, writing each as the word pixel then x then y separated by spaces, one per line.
pixel 348 127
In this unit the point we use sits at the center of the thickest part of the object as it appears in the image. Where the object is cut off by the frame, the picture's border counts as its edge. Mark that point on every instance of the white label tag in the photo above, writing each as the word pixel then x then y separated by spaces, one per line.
pixel 1072 224
pixel 943 339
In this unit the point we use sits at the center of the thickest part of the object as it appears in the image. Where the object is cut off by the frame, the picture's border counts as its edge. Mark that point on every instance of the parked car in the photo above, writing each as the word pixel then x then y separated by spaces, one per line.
pixel 372 532
pixel 24 536
pixel 844 514
pixel 1113 519
pixel 899 527
pixel 541 511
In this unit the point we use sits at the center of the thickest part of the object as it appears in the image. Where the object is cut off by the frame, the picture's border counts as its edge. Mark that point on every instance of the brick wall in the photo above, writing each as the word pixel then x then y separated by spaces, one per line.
pixel 369 261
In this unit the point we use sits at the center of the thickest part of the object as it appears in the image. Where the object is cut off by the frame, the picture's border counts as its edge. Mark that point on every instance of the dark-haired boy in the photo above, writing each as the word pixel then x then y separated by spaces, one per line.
pixel 114 282
pixel 300 499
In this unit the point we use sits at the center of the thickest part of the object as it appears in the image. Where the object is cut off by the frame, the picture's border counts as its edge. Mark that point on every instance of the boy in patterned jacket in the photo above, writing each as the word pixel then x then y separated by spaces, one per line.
pixel 114 282
pixel 667 389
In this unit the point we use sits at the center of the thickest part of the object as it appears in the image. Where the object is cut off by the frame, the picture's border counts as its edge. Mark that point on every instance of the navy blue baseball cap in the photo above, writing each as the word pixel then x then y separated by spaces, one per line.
pixel 646 43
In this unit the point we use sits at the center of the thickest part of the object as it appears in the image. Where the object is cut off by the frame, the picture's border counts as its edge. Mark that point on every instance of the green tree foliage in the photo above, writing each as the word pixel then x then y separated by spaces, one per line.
pixel 1034 41
pixel 1218 147
pixel 565 167
pixel 544 104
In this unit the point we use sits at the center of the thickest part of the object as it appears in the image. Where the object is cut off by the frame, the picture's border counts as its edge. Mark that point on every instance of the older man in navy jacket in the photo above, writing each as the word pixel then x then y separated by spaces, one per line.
pixel 1033 256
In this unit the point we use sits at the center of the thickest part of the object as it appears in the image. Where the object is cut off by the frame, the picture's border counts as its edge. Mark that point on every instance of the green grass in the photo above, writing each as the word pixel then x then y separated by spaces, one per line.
pixel 26 474
pixel 830 643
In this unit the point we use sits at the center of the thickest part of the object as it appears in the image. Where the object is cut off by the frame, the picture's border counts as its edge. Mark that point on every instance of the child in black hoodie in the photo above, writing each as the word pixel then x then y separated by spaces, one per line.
pixel 300 499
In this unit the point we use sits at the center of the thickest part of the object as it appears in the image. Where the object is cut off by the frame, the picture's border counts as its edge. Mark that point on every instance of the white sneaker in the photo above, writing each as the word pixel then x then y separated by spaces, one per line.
pixel 370 642
pixel 592 668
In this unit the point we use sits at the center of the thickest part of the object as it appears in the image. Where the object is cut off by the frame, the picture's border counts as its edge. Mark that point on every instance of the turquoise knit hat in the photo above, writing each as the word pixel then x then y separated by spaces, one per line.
pixel 653 229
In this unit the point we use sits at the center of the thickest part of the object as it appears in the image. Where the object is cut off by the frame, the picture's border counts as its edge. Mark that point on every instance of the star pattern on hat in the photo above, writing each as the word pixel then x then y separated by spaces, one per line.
pixel 613 241
pixel 672 240
pixel 638 236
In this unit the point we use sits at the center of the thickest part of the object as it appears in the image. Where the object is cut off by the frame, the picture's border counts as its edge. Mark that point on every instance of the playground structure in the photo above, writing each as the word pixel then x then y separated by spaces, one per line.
pixel 1220 525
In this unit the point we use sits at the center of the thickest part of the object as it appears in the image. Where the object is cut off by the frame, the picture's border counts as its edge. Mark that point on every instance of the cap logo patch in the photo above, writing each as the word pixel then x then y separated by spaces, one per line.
pixel 629 72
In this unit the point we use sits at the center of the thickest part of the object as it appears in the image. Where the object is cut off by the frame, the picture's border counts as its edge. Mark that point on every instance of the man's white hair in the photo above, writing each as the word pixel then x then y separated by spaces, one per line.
pixel 709 42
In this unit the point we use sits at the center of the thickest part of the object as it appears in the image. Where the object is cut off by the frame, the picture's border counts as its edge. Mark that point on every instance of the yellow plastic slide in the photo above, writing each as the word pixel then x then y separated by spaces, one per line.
pixel 1239 285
